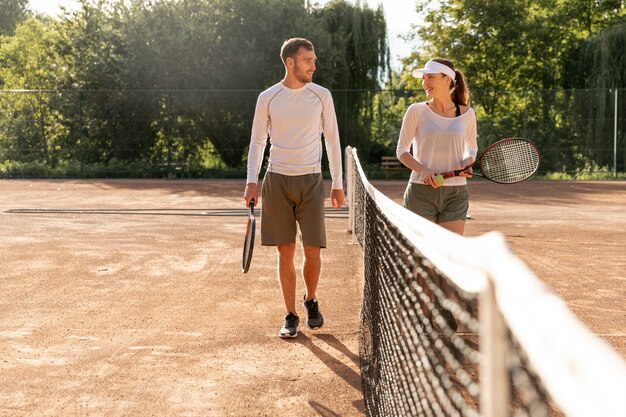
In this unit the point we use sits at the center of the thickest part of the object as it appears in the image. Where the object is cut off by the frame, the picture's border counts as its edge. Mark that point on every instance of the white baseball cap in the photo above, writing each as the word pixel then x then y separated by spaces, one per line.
pixel 434 67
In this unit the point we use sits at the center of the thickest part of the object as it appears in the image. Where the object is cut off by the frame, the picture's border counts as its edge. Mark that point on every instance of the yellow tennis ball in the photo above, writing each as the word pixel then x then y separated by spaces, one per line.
pixel 439 179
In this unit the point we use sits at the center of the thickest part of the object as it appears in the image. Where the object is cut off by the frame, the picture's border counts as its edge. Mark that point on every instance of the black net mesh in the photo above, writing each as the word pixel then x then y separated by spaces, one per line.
pixel 419 335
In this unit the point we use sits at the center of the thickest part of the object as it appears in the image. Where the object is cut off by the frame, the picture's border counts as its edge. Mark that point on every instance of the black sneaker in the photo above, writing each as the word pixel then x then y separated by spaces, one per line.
pixel 314 318
pixel 290 328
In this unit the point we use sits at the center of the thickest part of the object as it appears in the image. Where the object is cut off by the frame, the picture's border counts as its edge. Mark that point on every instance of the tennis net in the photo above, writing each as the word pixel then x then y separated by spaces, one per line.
pixel 455 326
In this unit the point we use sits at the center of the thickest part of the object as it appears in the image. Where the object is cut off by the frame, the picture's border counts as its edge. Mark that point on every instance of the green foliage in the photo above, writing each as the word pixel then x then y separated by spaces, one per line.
pixel 388 109
pixel 359 55
pixel 164 82
pixel 12 12
pixel 358 59
pixel 30 122
pixel 168 87
pixel 512 45
pixel 601 174
pixel 517 56
pixel 29 60
pixel 600 62
pixel 113 169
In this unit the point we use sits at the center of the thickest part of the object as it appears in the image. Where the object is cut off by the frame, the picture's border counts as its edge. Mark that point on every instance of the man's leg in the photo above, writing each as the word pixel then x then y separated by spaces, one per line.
pixel 311 272
pixel 311 269
pixel 287 275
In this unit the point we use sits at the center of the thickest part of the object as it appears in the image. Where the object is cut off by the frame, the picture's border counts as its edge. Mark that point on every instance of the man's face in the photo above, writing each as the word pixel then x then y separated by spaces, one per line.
pixel 304 65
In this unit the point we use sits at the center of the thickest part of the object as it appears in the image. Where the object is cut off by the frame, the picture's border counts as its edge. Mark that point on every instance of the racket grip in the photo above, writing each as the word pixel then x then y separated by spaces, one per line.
pixel 451 174
pixel 454 173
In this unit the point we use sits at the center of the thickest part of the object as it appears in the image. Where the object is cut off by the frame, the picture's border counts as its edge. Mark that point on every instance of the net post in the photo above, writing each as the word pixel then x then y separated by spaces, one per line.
pixel 350 188
pixel 494 385
pixel 615 137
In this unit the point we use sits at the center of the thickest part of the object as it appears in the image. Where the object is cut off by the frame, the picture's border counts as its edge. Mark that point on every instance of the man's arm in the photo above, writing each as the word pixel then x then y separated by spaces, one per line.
pixel 258 141
pixel 333 150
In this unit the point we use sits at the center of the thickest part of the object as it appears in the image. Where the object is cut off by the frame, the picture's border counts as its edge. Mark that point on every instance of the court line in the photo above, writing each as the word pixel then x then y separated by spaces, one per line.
pixel 226 212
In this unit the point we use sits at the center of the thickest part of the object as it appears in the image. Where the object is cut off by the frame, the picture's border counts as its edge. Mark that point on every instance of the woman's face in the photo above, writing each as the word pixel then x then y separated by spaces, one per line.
pixel 436 84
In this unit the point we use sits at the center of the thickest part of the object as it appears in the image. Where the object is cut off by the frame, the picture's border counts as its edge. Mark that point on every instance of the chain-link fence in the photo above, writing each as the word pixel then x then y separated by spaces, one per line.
pixel 206 133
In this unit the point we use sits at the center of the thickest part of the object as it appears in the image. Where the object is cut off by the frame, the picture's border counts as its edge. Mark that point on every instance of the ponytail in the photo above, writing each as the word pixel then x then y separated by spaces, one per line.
pixel 460 93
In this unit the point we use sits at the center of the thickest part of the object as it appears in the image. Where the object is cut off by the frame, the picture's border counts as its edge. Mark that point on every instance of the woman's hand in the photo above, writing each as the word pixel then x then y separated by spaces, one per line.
pixel 430 178
pixel 467 163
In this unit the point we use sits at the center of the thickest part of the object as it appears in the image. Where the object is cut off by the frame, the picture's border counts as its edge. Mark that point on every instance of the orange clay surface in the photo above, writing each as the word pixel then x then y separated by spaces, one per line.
pixel 126 297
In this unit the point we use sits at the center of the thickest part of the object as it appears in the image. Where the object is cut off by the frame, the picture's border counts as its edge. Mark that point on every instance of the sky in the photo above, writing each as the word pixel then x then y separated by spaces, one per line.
pixel 400 14
pixel 50 7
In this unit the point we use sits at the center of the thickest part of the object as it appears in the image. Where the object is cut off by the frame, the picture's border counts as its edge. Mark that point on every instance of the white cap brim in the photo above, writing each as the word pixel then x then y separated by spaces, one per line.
pixel 434 67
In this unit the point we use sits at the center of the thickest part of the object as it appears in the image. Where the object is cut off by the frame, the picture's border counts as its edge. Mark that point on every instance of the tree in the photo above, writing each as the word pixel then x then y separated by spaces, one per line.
pixel 234 45
pixel 515 55
pixel 219 49
pixel 162 81
pixel 599 64
pixel 29 60
pixel 357 63
pixel 588 18
pixel 12 12
pixel 510 45
pixel 106 123
pixel 599 61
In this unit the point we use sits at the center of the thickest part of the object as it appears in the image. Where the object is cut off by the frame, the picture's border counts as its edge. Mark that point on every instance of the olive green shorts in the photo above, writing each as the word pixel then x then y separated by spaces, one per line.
pixel 441 205
pixel 287 200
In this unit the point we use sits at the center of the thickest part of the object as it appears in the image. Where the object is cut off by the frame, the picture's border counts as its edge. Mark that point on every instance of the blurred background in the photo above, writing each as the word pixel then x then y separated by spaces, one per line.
pixel 167 88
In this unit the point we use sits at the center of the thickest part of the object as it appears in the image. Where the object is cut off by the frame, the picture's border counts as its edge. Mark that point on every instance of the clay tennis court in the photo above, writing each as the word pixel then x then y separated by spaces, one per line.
pixel 126 297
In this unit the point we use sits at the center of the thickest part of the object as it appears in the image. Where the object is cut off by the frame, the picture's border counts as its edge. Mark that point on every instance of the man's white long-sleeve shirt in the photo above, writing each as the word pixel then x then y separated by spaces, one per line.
pixel 294 120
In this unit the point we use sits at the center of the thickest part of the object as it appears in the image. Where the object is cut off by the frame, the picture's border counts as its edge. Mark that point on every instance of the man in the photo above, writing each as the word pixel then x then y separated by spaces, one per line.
pixel 294 114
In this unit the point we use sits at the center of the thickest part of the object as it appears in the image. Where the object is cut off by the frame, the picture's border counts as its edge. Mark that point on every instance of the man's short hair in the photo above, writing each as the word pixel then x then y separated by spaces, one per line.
pixel 291 47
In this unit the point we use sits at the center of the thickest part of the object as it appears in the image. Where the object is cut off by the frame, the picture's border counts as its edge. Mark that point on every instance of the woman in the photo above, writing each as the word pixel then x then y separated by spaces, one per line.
pixel 443 134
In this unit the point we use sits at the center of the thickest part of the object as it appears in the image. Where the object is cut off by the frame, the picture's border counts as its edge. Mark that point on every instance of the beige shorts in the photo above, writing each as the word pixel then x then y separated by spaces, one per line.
pixel 441 205
pixel 287 200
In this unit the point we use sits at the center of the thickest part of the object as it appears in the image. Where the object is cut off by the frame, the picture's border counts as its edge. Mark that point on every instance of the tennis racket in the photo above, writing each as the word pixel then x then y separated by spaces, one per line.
pixel 508 161
pixel 248 243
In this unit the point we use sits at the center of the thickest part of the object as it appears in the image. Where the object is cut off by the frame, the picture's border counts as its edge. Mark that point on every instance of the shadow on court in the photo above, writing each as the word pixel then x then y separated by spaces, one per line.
pixel 331 362
pixel 126 297
pixel 109 313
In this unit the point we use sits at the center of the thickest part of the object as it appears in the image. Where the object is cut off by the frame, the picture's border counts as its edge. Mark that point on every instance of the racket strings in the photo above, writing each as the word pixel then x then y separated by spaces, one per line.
pixel 510 161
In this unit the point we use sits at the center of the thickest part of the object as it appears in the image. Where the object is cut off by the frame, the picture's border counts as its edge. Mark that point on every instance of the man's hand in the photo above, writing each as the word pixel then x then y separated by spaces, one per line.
pixel 251 193
pixel 336 197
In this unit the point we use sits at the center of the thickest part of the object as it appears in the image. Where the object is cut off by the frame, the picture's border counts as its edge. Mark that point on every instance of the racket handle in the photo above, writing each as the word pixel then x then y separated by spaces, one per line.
pixel 451 174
